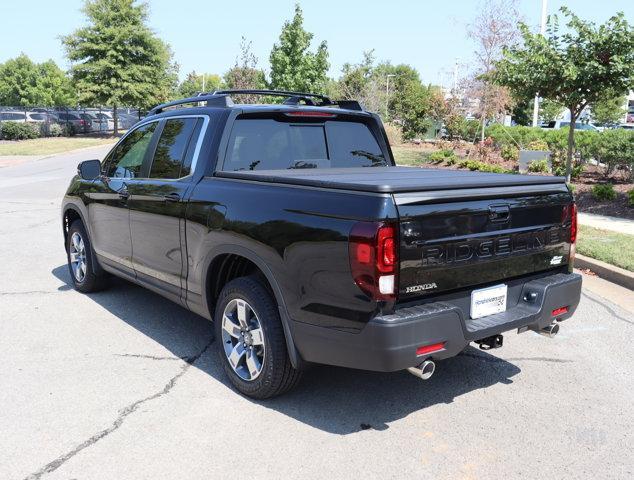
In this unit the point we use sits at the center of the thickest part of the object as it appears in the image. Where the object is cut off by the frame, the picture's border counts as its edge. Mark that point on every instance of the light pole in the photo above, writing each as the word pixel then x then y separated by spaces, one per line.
pixel 387 93
pixel 542 30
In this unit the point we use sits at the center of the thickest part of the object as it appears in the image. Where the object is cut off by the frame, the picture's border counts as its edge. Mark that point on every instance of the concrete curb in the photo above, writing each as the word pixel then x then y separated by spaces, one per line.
pixel 617 275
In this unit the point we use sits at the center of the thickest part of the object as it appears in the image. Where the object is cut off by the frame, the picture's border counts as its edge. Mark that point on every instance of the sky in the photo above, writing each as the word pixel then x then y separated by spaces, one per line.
pixel 205 35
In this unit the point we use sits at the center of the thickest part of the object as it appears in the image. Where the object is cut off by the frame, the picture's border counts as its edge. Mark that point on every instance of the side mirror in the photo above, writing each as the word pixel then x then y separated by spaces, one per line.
pixel 89 169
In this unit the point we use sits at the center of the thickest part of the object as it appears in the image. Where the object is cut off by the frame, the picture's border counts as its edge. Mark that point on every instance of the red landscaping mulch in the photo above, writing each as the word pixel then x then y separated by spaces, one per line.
pixel 587 203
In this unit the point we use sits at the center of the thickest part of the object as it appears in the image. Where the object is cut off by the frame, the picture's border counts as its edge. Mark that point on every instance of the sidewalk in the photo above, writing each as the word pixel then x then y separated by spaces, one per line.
pixel 603 222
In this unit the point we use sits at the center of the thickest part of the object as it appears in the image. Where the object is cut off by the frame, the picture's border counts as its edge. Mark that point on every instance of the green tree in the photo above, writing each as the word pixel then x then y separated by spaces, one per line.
pixel 117 60
pixel 194 84
pixel 550 110
pixel 609 109
pixel 572 66
pixel 409 101
pixel 293 66
pixel 25 83
pixel 245 74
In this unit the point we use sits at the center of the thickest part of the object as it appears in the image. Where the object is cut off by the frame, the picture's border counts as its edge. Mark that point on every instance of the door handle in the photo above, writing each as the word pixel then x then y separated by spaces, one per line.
pixel 172 197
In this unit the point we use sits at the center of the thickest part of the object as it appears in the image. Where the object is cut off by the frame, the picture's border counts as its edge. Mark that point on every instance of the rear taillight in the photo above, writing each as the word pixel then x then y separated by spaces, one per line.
pixel 573 222
pixel 569 215
pixel 374 259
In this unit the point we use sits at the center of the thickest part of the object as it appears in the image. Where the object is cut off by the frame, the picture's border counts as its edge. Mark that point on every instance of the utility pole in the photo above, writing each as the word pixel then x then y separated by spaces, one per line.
pixel 542 30
pixel 387 93
pixel 203 83
pixel 455 77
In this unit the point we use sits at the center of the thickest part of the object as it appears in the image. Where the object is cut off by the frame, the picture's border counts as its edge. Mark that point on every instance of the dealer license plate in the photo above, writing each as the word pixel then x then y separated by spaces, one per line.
pixel 488 301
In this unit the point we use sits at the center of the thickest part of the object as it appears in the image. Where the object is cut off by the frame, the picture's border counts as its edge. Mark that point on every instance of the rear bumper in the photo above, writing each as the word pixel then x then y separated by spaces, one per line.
pixel 389 343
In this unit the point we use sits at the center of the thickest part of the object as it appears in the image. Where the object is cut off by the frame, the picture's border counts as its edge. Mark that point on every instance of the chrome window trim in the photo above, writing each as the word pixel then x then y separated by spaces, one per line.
pixel 199 141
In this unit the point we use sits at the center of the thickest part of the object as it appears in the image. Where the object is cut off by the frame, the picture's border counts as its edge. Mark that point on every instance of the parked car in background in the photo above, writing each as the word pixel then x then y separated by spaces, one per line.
pixel 127 120
pixel 557 124
pixel 74 121
pixel 22 117
pixel 104 121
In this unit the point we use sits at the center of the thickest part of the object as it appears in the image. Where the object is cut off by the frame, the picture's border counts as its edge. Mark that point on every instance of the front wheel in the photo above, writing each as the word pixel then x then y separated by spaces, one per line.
pixel 80 261
pixel 250 339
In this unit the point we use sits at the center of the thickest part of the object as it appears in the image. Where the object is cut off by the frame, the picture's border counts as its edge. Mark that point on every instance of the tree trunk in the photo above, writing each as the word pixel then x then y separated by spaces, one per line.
pixel 115 118
pixel 483 126
pixel 571 146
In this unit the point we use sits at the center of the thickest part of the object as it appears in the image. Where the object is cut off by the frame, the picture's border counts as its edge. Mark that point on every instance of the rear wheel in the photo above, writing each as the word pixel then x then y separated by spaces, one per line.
pixel 80 265
pixel 250 339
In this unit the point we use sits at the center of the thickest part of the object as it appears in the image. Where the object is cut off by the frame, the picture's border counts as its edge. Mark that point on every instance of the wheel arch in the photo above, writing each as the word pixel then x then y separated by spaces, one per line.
pixel 70 213
pixel 227 262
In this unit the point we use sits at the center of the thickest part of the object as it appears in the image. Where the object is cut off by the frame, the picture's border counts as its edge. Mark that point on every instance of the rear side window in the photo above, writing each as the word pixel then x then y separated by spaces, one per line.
pixel 172 148
pixel 268 144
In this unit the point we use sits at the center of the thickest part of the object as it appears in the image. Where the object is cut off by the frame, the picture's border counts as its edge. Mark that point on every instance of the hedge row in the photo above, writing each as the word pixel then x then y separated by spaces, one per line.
pixel 614 148
pixel 25 131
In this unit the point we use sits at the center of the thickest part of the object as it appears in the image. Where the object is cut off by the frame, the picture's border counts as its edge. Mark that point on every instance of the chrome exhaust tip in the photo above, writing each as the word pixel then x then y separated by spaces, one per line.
pixel 550 331
pixel 424 371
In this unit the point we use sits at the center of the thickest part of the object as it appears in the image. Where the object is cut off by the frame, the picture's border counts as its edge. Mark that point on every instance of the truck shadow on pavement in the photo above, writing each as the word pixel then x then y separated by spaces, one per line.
pixel 336 400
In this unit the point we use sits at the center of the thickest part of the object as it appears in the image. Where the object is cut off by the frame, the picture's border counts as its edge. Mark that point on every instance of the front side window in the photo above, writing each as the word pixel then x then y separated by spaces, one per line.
pixel 171 148
pixel 268 144
pixel 127 158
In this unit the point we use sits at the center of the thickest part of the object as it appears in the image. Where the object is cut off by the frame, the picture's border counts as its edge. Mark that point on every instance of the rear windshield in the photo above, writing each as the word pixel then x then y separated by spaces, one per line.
pixel 268 144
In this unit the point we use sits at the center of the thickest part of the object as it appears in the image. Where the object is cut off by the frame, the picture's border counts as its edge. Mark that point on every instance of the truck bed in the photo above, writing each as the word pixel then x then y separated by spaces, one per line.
pixel 392 179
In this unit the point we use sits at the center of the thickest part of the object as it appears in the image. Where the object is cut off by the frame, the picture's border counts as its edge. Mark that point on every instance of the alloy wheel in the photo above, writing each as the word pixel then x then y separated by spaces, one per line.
pixel 243 339
pixel 77 255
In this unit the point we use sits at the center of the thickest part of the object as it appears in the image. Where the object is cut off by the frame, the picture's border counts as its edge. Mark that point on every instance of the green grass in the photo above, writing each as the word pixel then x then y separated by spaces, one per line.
pixel 410 157
pixel 49 146
pixel 610 247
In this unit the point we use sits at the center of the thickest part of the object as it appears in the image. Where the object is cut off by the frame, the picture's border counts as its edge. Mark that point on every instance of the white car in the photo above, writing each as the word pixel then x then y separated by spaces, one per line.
pixel 557 124
pixel 22 117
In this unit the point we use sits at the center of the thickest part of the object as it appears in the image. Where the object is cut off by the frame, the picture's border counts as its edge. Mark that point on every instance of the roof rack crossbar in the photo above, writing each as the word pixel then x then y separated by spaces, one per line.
pixel 212 100
pixel 221 98
pixel 278 93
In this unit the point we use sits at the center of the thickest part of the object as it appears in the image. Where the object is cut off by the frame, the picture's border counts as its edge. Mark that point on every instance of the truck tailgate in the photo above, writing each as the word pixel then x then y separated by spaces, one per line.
pixel 465 242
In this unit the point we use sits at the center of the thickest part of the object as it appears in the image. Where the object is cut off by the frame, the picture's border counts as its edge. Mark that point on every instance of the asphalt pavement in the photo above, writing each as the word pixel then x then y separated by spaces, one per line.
pixel 124 384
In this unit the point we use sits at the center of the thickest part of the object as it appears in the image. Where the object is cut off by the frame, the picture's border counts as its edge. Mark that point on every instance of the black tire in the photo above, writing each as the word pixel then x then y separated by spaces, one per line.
pixel 92 280
pixel 277 375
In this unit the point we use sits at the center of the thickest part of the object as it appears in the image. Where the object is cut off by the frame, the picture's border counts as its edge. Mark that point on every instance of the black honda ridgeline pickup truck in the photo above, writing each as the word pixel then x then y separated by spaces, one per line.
pixel 290 227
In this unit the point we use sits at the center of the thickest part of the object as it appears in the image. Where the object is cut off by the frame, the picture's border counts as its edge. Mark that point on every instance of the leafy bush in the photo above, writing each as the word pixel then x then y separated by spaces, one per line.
pixel 604 192
pixel 18 131
pixel 510 153
pixel 470 130
pixel 539 145
pixel 630 198
pixel 615 149
pixel 522 136
pixel 476 165
pixel 56 130
pixel 538 166
pixel 440 156
pixel 585 141
pixel 458 127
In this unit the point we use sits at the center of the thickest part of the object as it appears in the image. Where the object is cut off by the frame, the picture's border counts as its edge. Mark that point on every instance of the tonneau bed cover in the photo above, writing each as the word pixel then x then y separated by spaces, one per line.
pixel 392 179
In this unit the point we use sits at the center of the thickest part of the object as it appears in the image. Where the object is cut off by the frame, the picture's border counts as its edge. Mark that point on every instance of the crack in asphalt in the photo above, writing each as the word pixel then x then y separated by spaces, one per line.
pixel 29 292
pixel 516 359
pixel 123 414
pixel 149 357
pixel 607 307
pixel 27 211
